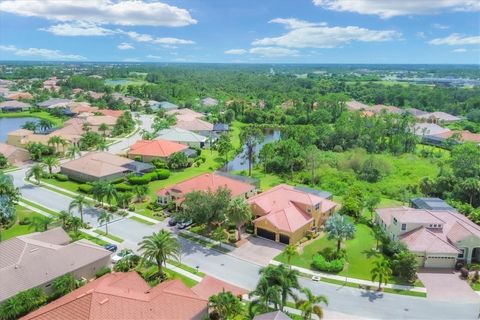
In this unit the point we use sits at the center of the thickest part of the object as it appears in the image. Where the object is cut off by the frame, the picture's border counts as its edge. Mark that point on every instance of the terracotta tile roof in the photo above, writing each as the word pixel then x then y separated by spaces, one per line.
pixel 98 164
pixel 111 113
pixel 14 104
pixel 390 109
pixel 156 148
pixel 355 105
pixel 19 95
pixel 287 219
pixel 465 135
pixel 193 124
pixel 208 181
pixel 98 120
pixel 125 296
pixel 424 240
pixel 210 286
pixel 32 260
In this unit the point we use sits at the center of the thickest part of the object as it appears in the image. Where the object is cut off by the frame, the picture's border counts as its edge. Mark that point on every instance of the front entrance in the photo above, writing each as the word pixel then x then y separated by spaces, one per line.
pixel 476 255
pixel 266 234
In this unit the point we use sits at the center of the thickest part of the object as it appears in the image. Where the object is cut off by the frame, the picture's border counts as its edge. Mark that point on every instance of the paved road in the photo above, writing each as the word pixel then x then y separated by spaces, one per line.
pixel 245 274
pixel 147 120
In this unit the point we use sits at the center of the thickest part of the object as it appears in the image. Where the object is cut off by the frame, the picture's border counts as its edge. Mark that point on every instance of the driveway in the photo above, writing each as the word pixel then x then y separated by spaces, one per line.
pixel 258 250
pixel 446 285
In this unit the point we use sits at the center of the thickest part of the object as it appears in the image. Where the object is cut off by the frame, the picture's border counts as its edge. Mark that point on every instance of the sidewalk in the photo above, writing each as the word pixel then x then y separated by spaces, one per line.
pixel 23 204
pixel 353 280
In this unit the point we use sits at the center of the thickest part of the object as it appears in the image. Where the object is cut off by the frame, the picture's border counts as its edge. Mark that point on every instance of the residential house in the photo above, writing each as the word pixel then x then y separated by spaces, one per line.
pixel 95 95
pixel 148 150
pixel 95 166
pixel 37 259
pixel 463 136
pixel 15 156
pixel 427 129
pixel 210 286
pixel 286 213
pixel 354 105
pixel 209 102
pixel 18 95
pixel 416 112
pixel 126 296
pixel 439 236
pixel 51 84
pixel 208 181
pixel 195 125
pixel 185 113
pixel 95 122
pixel 388 109
pixel 167 106
pixel 220 128
pixel 438 117
pixel 54 103
pixel 184 137
pixel 14 106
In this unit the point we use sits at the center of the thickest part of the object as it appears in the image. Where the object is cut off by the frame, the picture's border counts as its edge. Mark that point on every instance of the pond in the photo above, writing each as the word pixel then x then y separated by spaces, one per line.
pixel 11 124
pixel 239 163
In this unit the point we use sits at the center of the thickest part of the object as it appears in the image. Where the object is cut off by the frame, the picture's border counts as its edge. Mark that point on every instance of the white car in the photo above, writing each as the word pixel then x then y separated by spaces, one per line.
pixel 117 257
pixel 315 278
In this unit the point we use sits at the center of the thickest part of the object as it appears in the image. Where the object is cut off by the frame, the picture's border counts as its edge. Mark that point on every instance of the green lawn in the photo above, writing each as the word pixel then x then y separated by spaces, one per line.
pixel 83 235
pixel 110 236
pixel 186 280
pixel 44 209
pixel 67 185
pixel 17 229
pixel 141 220
pixel 186 268
pixel 35 114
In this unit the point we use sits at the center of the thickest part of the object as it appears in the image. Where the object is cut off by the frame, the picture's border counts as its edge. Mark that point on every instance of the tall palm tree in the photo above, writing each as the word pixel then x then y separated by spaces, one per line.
pixel 105 217
pixel 41 223
pixel 140 192
pixel 45 124
pixel 98 190
pixel 103 128
pixel 73 151
pixel 64 217
pixel 36 171
pixel 56 141
pixel 285 278
pixel 75 224
pixel 160 247
pixel 338 227
pixel 381 271
pixel 289 252
pixel 51 162
pixel 311 304
pixel 225 305
pixel 124 199
pixel 79 202
pixel 239 212
pixel 110 193
pixel 266 294
pixel 102 145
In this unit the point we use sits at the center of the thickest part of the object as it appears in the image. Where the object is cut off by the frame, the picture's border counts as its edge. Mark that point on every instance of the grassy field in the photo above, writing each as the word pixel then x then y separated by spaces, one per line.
pixel 35 114
pixel 17 229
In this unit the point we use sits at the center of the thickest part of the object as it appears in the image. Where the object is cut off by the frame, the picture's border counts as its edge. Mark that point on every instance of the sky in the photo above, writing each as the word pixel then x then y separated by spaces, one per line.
pixel 242 31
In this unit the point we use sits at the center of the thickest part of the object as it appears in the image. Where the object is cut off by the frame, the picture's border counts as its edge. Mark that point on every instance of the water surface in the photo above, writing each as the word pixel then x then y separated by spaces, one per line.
pixel 11 124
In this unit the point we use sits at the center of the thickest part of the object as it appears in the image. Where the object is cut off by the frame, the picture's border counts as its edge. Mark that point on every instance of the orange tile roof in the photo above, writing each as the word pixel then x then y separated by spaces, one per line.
pixel 156 148
pixel 465 135
pixel 208 181
pixel 210 286
pixel 112 113
pixel 125 296
pixel 20 95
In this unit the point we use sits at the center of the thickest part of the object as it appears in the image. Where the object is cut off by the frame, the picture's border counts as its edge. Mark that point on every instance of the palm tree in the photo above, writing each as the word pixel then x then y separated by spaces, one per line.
pixel 41 223
pixel 110 193
pixel 124 199
pixel 102 145
pixel 36 171
pixel 79 202
pixel 98 190
pixel 239 212
pixel 285 278
pixel 64 217
pixel 338 227
pixel 381 271
pixel 103 127
pixel 266 295
pixel 311 305
pixel 50 162
pixel 73 151
pixel 140 192
pixel 225 305
pixel 75 224
pixel 289 252
pixel 160 247
pixel 45 124
pixel 30 125
pixel 105 217
pixel 57 141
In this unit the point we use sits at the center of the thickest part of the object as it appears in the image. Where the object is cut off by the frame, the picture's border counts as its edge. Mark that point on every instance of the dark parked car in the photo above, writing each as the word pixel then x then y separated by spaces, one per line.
pixel 111 247
pixel 172 222
pixel 183 225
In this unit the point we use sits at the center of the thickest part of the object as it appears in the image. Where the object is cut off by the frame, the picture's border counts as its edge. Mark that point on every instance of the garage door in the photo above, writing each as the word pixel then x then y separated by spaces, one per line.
pixel 439 262
pixel 284 239
pixel 265 234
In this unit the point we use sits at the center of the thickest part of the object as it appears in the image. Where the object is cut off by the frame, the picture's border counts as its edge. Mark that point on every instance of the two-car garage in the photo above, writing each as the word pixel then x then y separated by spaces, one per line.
pixel 267 234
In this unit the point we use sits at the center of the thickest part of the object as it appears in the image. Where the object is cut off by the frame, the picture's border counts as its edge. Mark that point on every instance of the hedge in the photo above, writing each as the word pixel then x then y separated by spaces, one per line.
pixel 162 174
pixel 123 187
pixel 321 264
pixel 159 174
pixel 138 180
pixel 61 177
pixel 85 188
pixel 103 271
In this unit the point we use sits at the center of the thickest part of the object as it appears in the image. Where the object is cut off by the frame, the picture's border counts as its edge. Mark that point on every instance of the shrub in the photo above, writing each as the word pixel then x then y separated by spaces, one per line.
pixel 85 188
pixel 159 164
pixel 162 174
pixel 24 221
pixel 134 180
pixel 131 207
pixel 137 158
pixel 475 276
pixel 464 273
pixel 103 271
pixel 321 264
pixel 61 177
pixel 113 208
pixel 122 187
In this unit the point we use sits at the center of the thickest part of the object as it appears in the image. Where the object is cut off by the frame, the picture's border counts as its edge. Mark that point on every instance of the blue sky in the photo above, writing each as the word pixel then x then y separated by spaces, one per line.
pixel 248 31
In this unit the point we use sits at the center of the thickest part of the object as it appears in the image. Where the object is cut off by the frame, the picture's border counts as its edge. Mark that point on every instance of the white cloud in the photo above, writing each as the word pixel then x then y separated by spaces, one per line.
pixel 41 53
pixel 440 26
pixel 151 56
pixel 127 13
pixel 309 35
pixel 80 28
pixel 125 46
pixel 172 41
pixel 169 46
pixel 421 34
pixel 292 23
pixel 236 51
pixel 456 39
pixel 140 37
pixel 460 50
pixel 273 52
pixel 391 8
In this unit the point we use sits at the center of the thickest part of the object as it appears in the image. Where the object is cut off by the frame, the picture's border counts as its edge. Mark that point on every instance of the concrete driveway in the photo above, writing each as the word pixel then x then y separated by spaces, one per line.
pixel 446 285
pixel 258 250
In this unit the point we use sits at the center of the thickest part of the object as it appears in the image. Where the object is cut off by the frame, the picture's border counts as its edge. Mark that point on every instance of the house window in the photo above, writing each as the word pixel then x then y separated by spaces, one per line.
pixel 317 206
pixel 394 220
pixel 461 254
pixel 404 226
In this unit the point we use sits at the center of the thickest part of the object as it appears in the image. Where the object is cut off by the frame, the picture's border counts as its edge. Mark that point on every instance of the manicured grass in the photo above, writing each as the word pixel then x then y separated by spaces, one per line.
pixel 475 286
pixel 44 209
pixel 110 236
pixel 142 220
pixel 204 243
pixel 267 180
pixel 186 268
pixel 17 229
pixel 67 185
pixel 35 114
pixel 83 235
pixel 186 280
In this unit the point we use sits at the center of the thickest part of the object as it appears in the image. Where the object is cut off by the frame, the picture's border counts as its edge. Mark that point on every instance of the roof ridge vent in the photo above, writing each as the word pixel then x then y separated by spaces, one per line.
pixel 103 301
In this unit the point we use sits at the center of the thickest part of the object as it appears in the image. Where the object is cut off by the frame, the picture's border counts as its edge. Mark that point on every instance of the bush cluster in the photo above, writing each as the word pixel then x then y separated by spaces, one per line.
pixel 320 263
pixel 86 188
pixel 61 177
pixel 158 174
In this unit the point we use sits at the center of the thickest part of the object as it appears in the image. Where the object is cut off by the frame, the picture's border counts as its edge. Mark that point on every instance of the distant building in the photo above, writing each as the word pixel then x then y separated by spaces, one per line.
pixel 15 156
pixel 209 102
pixel 388 109
pixel 14 106
pixel 184 137
pixel 221 127
pixel 426 129
pixel 167 106
pixel 149 150
pixel 37 259
pixel 185 113
pixel 54 103
pixel 416 112
pixel 126 296
pixel 438 117
pixel 19 96
pixel 463 136
pixel 95 166
pixel 354 105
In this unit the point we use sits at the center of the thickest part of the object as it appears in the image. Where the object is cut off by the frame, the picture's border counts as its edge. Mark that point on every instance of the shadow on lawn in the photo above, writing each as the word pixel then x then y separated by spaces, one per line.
pixel 372 253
